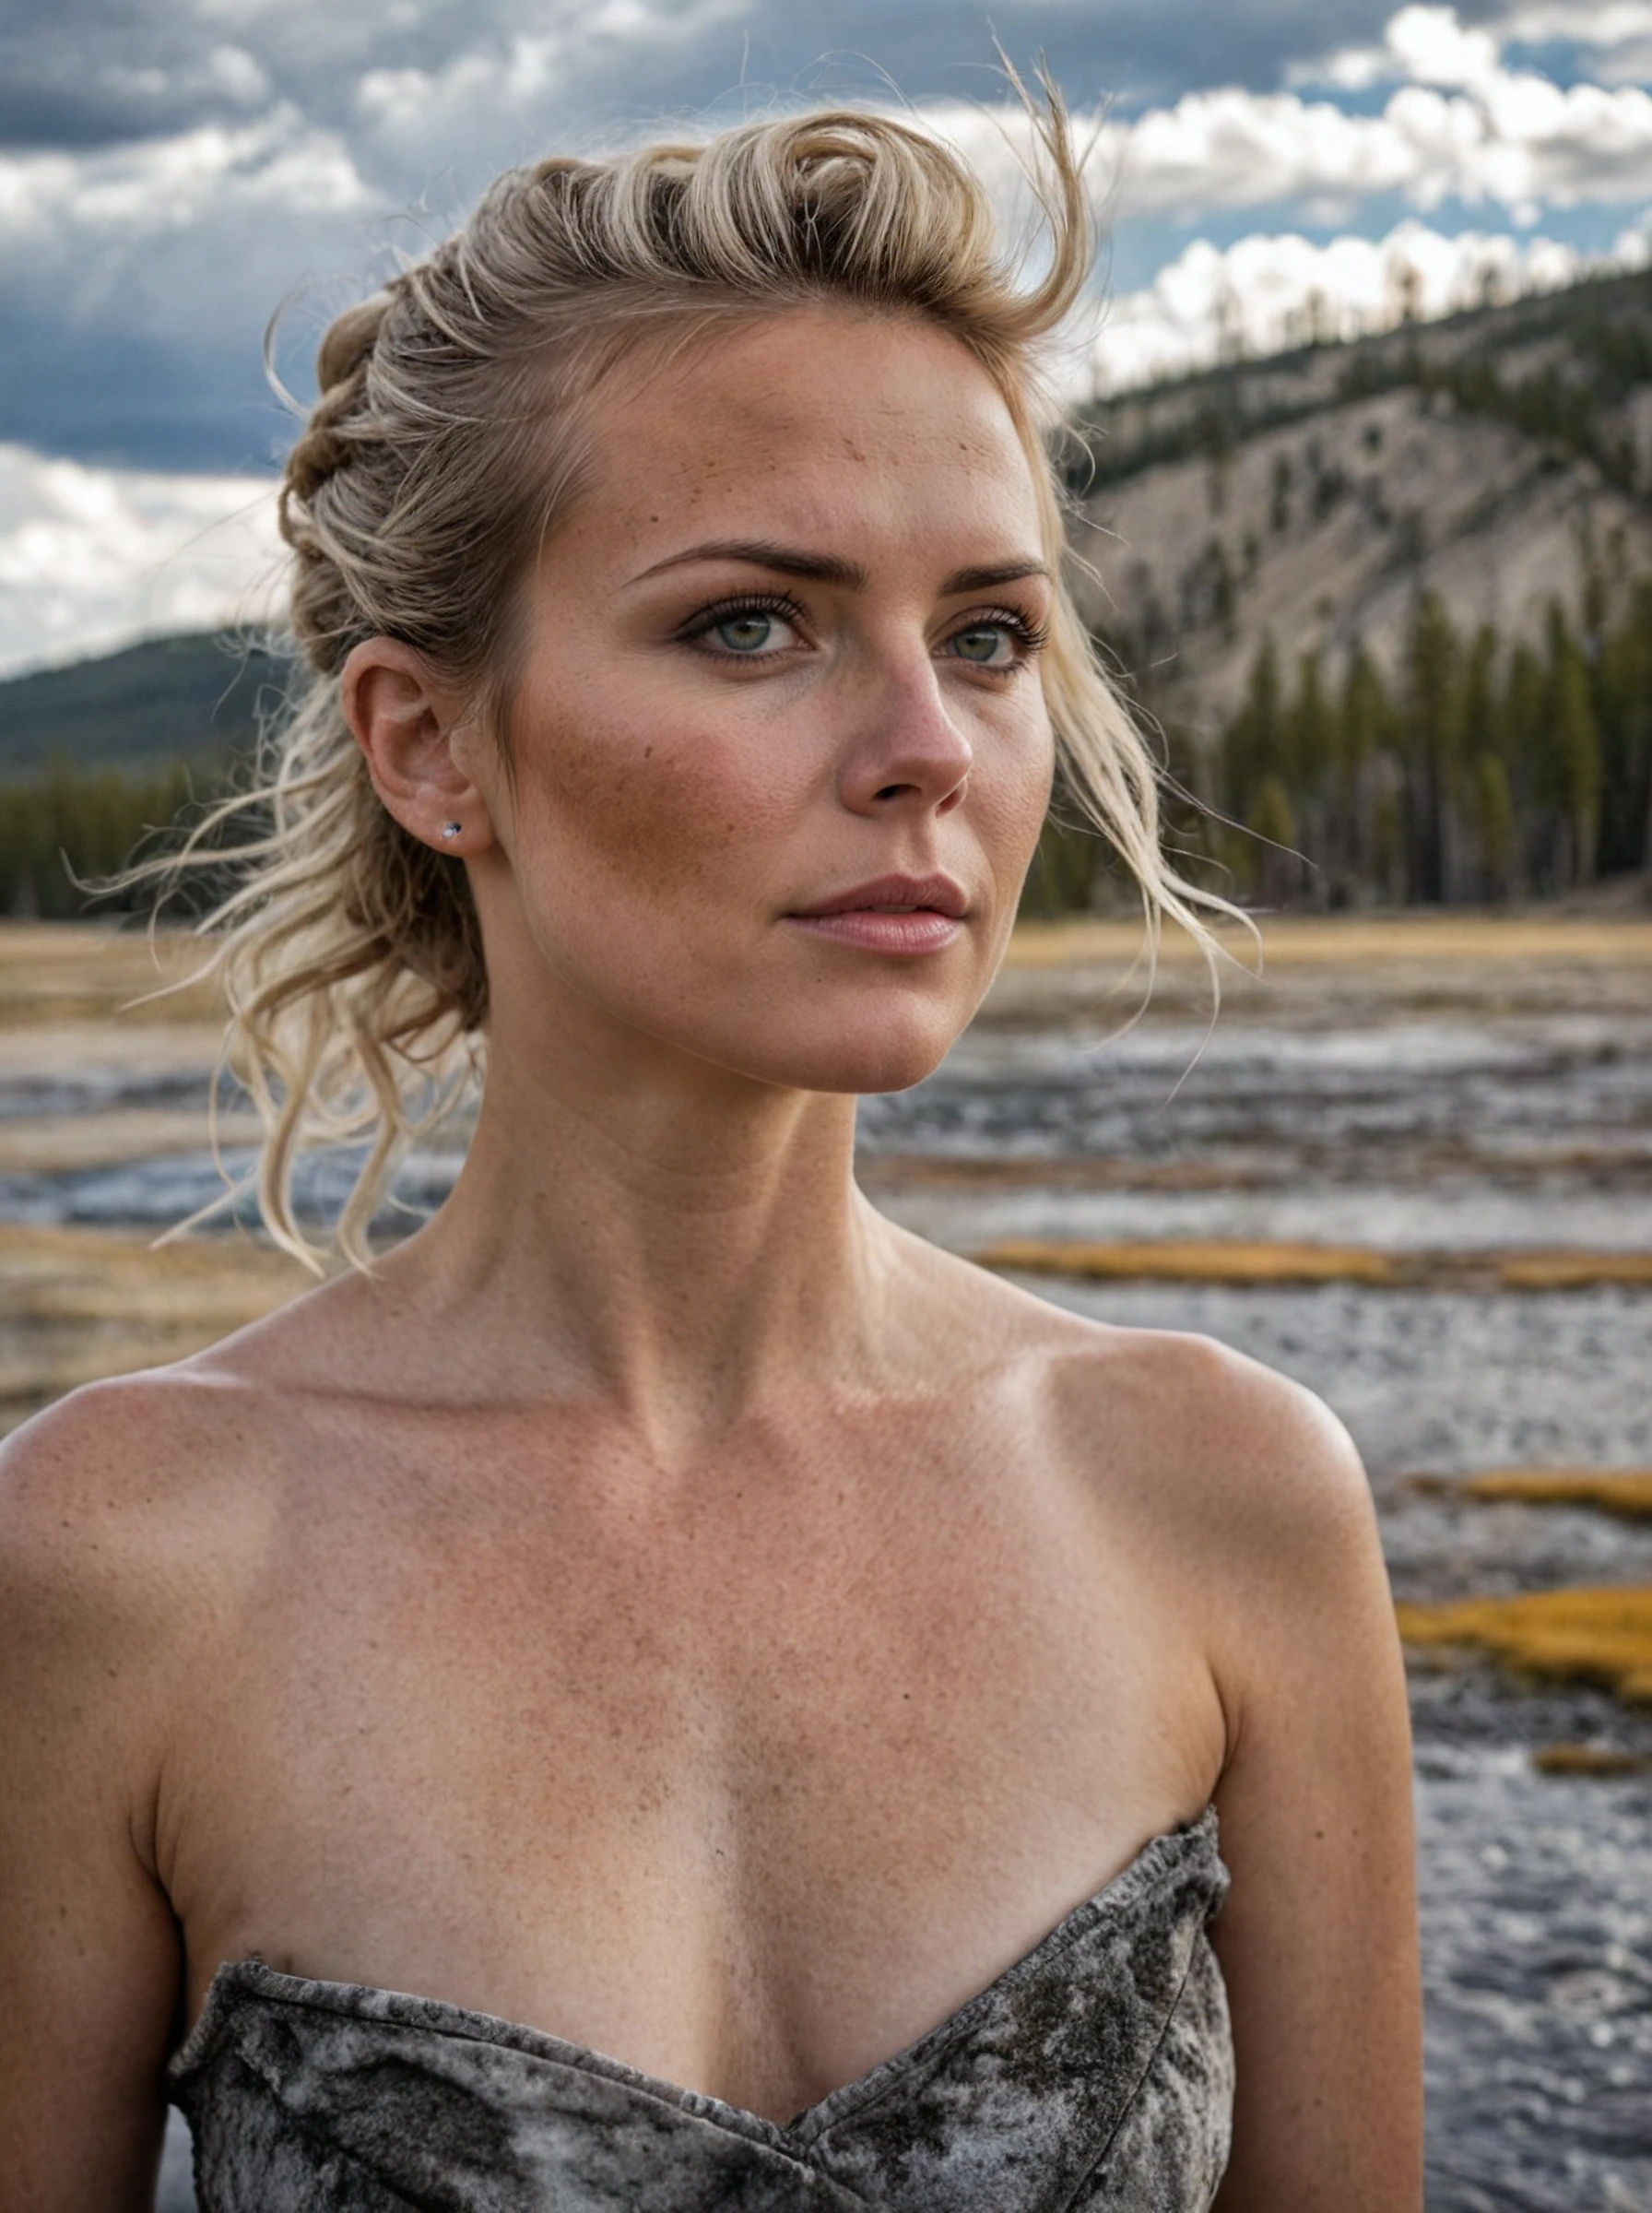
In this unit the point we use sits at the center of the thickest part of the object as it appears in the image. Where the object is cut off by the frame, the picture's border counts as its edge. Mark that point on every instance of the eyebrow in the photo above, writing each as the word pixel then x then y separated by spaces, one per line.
pixel 828 568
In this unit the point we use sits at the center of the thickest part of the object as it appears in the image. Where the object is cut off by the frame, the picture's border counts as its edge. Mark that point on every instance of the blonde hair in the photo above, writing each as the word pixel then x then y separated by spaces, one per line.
pixel 447 440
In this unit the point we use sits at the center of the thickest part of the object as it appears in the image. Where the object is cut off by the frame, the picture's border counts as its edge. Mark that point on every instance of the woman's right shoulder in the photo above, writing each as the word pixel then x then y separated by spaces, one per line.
pixel 115 1497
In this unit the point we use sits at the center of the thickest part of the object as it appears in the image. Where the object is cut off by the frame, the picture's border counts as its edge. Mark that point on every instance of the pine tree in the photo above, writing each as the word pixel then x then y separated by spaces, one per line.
pixel 1368 765
pixel 1309 762
pixel 1253 748
pixel 1432 720
pixel 1367 717
pixel 1272 818
pixel 1307 753
pixel 1479 718
pixel 1576 748
pixel 1623 697
pixel 1494 824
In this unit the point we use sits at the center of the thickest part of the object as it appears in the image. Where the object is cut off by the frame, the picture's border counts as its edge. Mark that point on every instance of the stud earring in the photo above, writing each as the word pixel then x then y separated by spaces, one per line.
pixel 451 829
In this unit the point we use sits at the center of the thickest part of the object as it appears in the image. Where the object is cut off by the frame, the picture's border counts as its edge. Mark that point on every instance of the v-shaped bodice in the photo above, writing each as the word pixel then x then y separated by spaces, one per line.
pixel 1095 2073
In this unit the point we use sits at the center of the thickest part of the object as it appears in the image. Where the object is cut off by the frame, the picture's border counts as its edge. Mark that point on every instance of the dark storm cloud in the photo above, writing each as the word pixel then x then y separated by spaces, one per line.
pixel 96 72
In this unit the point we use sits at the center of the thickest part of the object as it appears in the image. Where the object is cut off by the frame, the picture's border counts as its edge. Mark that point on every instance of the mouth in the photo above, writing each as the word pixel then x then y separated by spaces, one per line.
pixel 902 915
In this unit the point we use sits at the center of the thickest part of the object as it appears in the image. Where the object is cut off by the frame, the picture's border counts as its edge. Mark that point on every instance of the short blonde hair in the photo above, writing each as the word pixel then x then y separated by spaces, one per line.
pixel 447 441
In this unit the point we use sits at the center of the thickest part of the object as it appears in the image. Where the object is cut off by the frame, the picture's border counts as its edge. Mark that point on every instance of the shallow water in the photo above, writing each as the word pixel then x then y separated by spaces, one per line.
pixel 1399 1127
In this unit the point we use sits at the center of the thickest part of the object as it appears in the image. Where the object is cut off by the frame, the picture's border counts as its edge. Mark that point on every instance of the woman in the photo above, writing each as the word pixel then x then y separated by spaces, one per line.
pixel 757 1683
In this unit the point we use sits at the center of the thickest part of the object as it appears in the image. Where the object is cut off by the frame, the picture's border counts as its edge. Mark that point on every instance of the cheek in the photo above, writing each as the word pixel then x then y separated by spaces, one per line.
pixel 1011 806
pixel 666 818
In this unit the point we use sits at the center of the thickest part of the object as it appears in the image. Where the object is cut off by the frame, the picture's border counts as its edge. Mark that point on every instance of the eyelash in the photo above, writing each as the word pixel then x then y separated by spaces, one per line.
pixel 1031 636
pixel 727 610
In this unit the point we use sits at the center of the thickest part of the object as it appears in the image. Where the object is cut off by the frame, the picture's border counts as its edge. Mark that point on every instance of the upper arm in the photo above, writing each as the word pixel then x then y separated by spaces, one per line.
pixel 89 1952
pixel 1318 1939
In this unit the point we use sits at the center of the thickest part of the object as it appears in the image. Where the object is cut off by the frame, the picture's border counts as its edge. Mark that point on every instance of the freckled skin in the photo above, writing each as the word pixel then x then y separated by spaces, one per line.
pixel 665 1604
pixel 672 808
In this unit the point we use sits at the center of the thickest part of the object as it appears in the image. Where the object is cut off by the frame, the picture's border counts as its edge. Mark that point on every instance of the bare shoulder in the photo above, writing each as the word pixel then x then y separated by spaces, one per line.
pixel 1244 1479
pixel 124 1470
pixel 1257 1457
pixel 111 1504
pixel 115 1449
pixel 1194 1426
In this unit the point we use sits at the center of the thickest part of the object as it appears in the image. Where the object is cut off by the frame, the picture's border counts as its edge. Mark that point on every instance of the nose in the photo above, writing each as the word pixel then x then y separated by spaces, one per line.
pixel 908 752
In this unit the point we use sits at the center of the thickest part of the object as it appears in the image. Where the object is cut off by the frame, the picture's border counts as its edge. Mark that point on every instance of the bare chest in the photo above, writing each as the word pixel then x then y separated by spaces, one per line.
pixel 692 1776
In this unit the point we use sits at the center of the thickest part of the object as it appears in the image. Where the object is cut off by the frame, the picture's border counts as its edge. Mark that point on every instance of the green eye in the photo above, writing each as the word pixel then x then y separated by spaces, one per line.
pixel 744 634
pixel 979 645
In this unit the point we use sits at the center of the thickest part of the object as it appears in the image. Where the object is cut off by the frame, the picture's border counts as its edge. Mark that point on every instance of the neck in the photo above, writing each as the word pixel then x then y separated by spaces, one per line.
pixel 673 1239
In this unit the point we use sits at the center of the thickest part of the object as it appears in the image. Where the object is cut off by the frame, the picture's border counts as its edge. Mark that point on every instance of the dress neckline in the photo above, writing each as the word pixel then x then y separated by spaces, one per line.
pixel 1159 1858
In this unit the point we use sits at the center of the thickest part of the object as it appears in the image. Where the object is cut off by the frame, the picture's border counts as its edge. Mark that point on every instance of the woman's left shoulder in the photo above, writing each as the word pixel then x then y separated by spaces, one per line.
pixel 1221 1446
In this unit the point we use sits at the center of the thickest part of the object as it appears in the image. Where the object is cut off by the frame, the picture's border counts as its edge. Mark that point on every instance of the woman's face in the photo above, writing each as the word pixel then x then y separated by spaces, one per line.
pixel 779 742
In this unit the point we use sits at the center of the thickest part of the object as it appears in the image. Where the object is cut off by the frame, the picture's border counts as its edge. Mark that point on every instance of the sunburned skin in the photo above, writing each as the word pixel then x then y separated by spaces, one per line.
pixel 666 1605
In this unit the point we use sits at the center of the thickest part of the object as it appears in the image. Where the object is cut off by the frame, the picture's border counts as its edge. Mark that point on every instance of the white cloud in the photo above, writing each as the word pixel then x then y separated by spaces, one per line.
pixel 160 185
pixel 1578 22
pixel 1264 293
pixel 412 117
pixel 1431 47
pixel 508 100
pixel 1458 125
pixel 235 73
pixel 1234 148
pixel 91 558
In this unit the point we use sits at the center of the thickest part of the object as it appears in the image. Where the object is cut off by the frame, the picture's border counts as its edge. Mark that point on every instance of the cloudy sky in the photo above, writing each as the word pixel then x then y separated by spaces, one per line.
pixel 172 171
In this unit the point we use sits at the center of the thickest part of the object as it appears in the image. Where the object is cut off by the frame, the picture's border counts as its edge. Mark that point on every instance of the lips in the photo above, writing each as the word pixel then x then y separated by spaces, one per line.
pixel 900 915
pixel 893 895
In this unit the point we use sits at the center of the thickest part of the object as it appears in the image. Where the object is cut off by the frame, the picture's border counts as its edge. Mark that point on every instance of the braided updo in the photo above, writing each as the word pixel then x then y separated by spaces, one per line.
pixel 446 441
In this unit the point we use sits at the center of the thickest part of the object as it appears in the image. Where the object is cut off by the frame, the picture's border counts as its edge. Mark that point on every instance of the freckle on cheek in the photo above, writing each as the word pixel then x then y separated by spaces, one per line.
pixel 666 826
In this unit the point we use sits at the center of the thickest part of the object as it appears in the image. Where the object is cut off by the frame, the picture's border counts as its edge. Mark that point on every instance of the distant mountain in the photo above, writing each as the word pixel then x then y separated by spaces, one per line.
pixel 192 698
pixel 1501 460
pixel 1390 604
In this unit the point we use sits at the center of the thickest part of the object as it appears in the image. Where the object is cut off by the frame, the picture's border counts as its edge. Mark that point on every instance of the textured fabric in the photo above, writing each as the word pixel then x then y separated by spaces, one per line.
pixel 1095 2076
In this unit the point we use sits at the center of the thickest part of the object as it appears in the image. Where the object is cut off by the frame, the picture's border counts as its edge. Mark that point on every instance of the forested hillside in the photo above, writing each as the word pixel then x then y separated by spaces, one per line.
pixel 94 755
pixel 1388 605
pixel 190 698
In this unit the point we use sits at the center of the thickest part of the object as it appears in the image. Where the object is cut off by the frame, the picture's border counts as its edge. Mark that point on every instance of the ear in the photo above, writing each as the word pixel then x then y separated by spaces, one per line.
pixel 410 724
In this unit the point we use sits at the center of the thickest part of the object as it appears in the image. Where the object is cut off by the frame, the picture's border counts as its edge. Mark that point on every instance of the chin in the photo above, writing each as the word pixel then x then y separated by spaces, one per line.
pixel 886 1049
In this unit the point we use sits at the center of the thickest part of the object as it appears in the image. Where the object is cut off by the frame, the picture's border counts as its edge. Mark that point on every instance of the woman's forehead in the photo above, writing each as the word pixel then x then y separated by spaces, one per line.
pixel 820 418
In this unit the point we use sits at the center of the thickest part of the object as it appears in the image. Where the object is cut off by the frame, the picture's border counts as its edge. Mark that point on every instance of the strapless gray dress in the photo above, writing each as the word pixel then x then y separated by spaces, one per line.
pixel 1095 2073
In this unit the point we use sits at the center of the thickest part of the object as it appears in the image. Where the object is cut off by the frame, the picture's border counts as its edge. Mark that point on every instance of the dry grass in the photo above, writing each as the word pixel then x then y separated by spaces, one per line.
pixel 70 971
pixel 1333 967
pixel 1290 941
pixel 1582 1636
pixel 76 1305
pixel 1243 1260
pixel 1626 1493
pixel 1587 1760
pixel 993 1172
pixel 1192 1259
pixel 1572 1271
